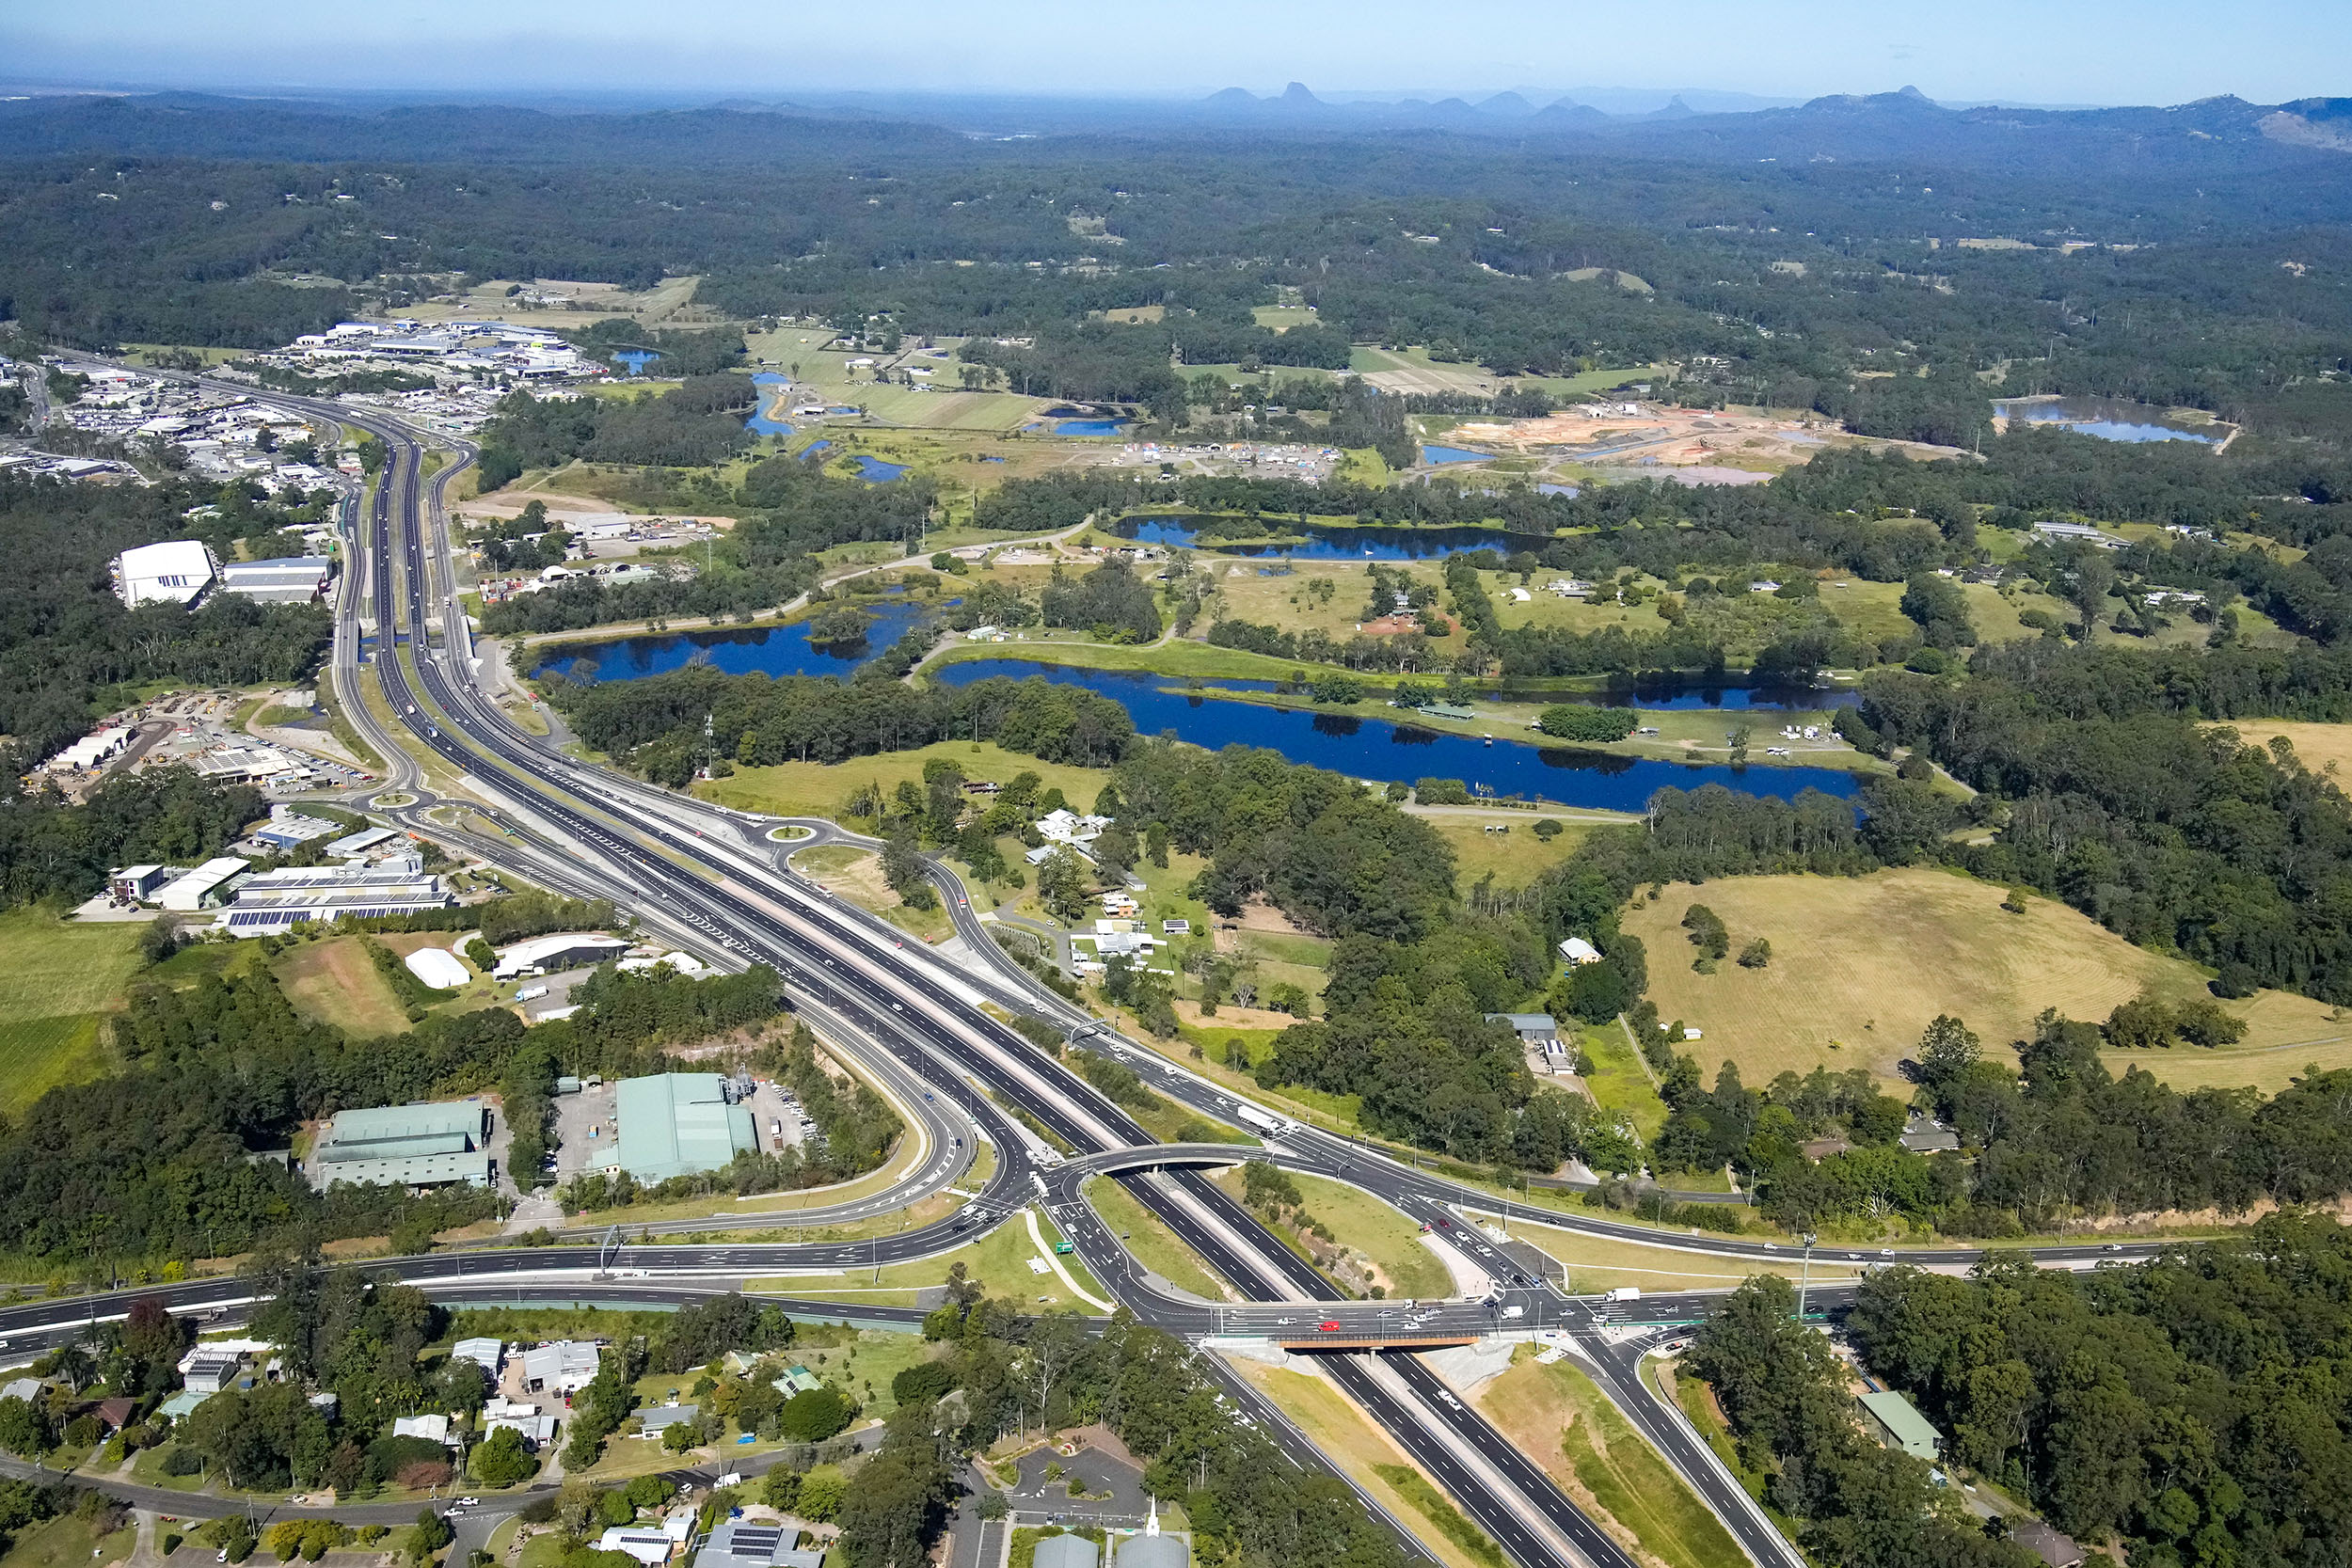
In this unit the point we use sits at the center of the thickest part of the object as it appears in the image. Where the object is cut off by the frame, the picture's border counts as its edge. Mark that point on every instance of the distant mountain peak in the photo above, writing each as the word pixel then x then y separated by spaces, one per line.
pixel 1675 109
pixel 1297 95
pixel 1234 98
pixel 1505 103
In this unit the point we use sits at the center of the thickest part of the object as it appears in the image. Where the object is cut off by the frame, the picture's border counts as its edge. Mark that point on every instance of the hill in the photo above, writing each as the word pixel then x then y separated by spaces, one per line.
pixel 1861 964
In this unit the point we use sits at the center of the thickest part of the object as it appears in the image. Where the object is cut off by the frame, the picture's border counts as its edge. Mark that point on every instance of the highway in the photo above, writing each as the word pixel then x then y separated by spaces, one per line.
pixel 711 881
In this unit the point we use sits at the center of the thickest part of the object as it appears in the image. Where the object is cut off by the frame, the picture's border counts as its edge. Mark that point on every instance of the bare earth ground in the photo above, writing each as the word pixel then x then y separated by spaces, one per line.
pixel 1860 965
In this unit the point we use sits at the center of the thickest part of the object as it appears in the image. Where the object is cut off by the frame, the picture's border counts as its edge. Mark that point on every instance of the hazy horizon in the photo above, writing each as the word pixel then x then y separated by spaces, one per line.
pixel 2157 52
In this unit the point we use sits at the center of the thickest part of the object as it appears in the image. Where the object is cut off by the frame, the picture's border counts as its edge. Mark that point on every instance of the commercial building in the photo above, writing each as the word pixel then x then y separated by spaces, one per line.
pixel 678 1124
pixel 288 580
pixel 1895 1423
pixel 286 829
pixel 487 1354
pixel 406 1146
pixel 569 950
pixel 353 845
pixel 563 1367
pixel 270 902
pixel 175 572
pixel 438 967
pixel 92 750
pixel 137 884
pixel 202 888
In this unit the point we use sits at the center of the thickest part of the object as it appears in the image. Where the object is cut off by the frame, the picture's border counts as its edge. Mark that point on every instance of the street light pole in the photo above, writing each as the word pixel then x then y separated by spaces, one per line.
pixel 1805 1275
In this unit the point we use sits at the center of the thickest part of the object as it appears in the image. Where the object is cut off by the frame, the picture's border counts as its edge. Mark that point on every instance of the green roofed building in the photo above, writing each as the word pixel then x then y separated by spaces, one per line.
pixel 678 1124
pixel 406 1146
pixel 1897 1424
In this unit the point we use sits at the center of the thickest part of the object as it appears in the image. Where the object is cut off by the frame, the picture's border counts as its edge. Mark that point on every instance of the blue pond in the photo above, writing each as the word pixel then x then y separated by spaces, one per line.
pixel 2107 419
pixel 773 650
pixel 636 359
pixel 1330 544
pixel 816 448
pixel 768 383
pixel 1453 455
pixel 1364 747
pixel 878 472
pixel 1089 427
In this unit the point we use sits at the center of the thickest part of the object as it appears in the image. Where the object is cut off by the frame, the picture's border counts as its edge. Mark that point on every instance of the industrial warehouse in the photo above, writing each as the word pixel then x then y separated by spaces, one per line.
pixel 406 1146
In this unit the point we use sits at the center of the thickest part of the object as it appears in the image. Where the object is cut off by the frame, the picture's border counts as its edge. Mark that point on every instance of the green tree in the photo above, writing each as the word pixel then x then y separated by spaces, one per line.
pixel 499 1459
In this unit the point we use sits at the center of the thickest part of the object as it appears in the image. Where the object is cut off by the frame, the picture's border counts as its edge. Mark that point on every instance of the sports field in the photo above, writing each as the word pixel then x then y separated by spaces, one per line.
pixel 61 981
pixel 1860 965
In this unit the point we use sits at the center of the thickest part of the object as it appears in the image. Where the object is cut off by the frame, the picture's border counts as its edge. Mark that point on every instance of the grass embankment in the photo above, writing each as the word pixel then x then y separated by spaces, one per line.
pixel 1400 1265
pixel 1861 964
pixel 1154 1245
pixel 1596 1263
pixel 1620 1082
pixel 61 981
pixel 1556 1415
pixel 1370 1459
pixel 855 875
pixel 998 1261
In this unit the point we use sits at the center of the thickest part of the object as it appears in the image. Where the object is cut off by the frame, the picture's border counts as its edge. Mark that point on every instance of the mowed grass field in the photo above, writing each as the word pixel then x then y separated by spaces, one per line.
pixel 1861 964
pixel 59 982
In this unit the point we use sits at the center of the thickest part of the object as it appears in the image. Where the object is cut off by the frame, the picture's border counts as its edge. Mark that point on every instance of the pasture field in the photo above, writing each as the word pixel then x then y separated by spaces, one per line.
pixel 61 981
pixel 1514 858
pixel 1861 964
pixel 821 789
pixel 1556 1415
pixel 2319 747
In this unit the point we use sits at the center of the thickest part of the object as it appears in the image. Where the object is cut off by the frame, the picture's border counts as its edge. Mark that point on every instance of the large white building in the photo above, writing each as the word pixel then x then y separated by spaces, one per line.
pixel 177 571
pixel 272 902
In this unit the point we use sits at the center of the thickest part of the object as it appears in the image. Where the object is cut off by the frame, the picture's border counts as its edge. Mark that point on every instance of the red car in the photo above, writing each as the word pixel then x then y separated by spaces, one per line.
pixel 1330 1327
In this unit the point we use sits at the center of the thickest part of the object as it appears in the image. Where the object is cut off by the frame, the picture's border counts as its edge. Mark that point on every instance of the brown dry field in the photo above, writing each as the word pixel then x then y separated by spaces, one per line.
pixel 336 982
pixel 2320 747
pixel 1861 964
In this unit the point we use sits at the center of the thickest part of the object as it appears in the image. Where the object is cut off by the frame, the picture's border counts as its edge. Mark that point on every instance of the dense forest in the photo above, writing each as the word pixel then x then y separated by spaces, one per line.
pixel 2190 1406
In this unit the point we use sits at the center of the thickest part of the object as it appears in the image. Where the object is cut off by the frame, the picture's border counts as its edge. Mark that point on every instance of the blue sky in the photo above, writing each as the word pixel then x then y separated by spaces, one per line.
pixel 2027 51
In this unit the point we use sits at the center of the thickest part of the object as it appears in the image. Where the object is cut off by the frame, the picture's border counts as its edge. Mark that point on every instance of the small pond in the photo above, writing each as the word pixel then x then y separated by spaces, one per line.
pixel 1437 456
pixel 2108 418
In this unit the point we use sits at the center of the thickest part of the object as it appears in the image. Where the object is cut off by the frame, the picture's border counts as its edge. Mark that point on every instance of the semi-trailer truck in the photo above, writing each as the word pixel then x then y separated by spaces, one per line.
pixel 1272 1126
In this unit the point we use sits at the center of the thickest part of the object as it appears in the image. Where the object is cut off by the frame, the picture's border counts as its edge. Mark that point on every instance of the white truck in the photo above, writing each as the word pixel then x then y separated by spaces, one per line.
pixel 531 993
pixel 1272 1126
pixel 1625 1292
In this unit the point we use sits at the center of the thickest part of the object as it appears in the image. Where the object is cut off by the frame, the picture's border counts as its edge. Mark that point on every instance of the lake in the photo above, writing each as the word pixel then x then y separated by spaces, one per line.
pixel 770 386
pixel 2107 419
pixel 770 650
pixel 1361 746
pixel 1088 427
pixel 1440 455
pixel 1785 699
pixel 1329 543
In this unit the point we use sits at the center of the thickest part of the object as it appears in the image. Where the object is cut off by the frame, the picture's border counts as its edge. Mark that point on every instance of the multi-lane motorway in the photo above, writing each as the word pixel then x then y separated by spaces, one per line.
pixel 714 880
